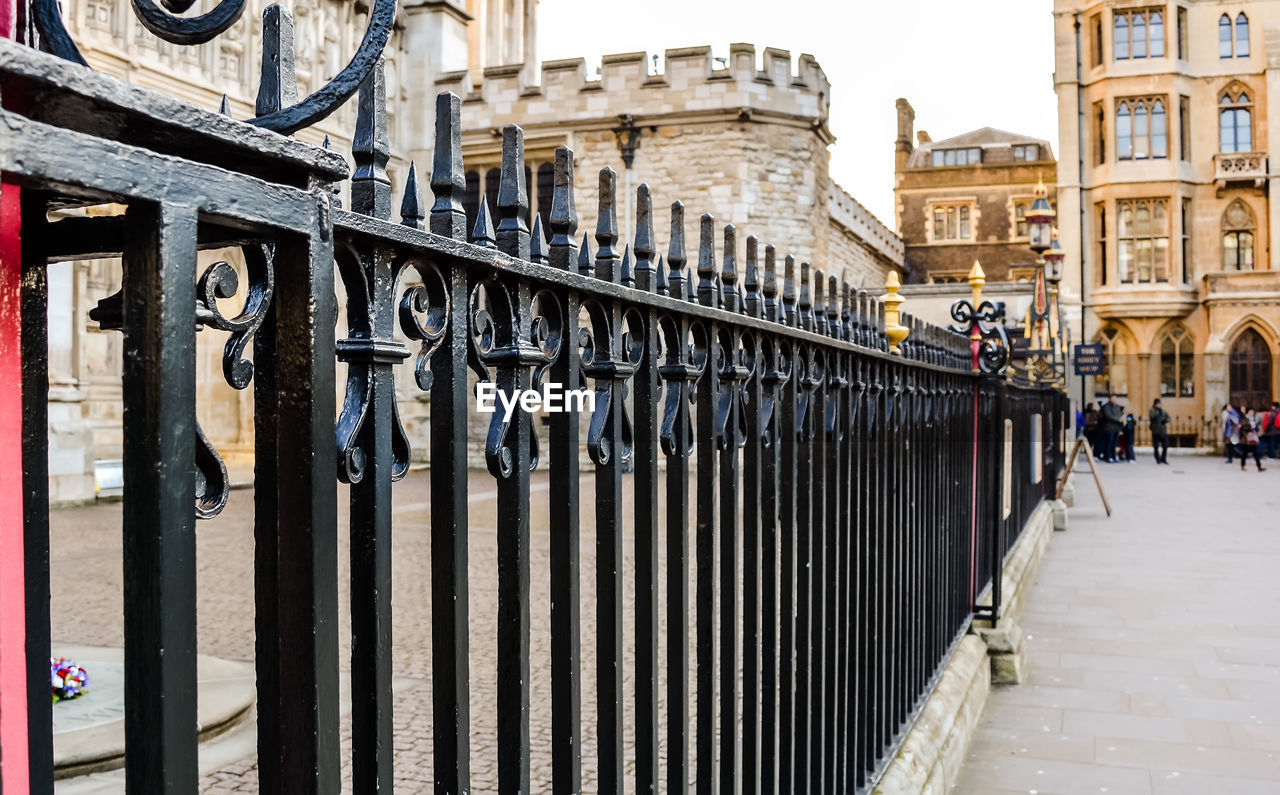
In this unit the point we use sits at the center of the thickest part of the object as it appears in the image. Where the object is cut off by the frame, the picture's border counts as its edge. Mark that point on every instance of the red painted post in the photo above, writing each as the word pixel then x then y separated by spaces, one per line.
pixel 13 689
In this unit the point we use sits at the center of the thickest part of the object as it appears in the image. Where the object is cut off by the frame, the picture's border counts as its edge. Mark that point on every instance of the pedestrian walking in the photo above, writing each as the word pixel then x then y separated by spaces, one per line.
pixel 1230 431
pixel 1159 420
pixel 1127 435
pixel 1079 421
pixel 1109 427
pixel 1271 432
pixel 1249 442
pixel 1091 428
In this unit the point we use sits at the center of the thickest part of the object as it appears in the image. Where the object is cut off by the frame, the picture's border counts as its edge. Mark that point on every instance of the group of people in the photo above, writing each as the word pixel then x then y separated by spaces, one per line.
pixel 1246 433
pixel 1111 430
pixel 1251 434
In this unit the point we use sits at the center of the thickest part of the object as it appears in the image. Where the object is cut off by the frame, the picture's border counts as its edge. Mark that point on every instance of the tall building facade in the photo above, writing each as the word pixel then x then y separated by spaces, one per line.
pixel 745 139
pixel 966 198
pixel 1164 188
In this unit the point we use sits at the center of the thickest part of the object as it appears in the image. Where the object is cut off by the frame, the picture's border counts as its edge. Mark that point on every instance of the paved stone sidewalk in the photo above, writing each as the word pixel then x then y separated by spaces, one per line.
pixel 88 609
pixel 1154 641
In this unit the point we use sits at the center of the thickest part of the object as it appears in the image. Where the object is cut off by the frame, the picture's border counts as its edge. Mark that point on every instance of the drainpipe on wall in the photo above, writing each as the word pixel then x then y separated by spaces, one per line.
pixel 1080 189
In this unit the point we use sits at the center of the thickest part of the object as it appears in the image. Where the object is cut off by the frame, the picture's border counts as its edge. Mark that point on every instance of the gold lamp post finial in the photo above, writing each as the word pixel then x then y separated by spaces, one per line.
pixel 893 328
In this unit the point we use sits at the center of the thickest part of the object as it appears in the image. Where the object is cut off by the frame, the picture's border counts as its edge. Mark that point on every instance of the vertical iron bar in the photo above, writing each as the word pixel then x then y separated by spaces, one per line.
pixel 707 587
pixel 647 396
pixel 304 527
pixel 159 515
pixel 35 487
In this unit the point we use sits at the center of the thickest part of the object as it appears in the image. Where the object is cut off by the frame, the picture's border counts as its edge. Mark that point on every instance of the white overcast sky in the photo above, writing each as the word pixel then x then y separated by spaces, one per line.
pixel 963 64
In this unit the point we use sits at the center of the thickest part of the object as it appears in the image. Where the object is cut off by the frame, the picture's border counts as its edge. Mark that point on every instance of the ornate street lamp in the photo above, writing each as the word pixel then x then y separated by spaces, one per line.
pixel 1040 326
pixel 1040 220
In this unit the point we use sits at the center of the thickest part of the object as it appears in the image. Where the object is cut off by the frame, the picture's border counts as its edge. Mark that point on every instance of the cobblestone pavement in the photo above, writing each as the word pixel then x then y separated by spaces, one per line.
pixel 88 605
pixel 1154 643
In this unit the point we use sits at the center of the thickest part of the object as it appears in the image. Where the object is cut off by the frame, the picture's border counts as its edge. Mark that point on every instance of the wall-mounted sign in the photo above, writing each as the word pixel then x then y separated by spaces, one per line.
pixel 1090 360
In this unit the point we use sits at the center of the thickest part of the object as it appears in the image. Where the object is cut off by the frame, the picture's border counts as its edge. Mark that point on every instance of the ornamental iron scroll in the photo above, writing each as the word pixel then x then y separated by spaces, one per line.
pixel 278 107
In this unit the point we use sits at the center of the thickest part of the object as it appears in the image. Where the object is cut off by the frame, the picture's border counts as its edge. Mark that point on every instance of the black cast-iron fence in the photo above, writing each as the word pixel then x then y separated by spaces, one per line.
pixel 847 506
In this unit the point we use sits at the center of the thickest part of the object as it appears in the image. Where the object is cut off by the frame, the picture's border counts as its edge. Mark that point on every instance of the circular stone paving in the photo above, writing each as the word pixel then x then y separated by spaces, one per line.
pixel 88 732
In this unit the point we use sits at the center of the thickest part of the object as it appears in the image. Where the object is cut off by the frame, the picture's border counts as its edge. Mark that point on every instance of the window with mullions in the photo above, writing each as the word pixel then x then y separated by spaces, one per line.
pixel 1235 121
pixel 1233 44
pixel 1143 239
pixel 957 157
pixel 1142 129
pixel 1237 237
pixel 1138 33
pixel 1177 365
pixel 1026 153
pixel 952 223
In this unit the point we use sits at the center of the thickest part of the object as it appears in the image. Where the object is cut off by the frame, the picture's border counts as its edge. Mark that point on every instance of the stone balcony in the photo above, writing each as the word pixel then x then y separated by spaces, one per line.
pixel 1158 299
pixel 1242 288
pixel 1240 167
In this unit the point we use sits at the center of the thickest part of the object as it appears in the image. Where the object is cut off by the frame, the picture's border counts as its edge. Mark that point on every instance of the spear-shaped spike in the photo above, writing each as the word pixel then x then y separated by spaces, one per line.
pixel 584 256
pixel 675 253
pixel 411 214
pixel 448 180
pixel 278 86
pixel 881 340
pixel 607 227
pixel 513 196
pixel 644 239
pixel 707 261
pixel 660 287
pixel 806 301
pixel 370 187
pixel 564 216
pixel 770 284
pixel 729 270
pixel 335 189
pixel 862 326
pixel 833 308
pixel 482 234
pixel 690 294
pixel 628 278
pixel 751 281
pixel 819 306
pixel 789 291
pixel 225 107
pixel 538 242
pixel 846 312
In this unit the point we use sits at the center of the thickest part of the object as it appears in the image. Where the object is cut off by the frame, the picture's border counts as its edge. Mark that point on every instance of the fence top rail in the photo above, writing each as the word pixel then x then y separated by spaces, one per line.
pixel 413 243
pixel 53 91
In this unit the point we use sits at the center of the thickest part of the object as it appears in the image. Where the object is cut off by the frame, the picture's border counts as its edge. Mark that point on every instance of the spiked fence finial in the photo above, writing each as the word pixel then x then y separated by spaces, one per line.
pixel 729 270
pixel 538 242
pixel 607 227
pixel 448 180
pixel 513 196
pixel 482 234
pixel 278 85
pixel 370 187
pixel 644 240
pixel 563 219
pixel 707 262
pixel 411 214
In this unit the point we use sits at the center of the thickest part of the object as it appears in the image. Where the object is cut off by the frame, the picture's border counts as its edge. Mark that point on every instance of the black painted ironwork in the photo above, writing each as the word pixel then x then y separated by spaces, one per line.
pixel 846 502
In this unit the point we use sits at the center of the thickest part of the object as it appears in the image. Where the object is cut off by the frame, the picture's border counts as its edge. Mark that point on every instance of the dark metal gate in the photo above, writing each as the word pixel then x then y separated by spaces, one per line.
pixel 845 512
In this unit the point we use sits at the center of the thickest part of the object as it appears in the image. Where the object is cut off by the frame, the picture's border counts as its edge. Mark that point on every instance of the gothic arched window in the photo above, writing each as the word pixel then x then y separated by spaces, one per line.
pixel 1242 36
pixel 1177 365
pixel 1235 120
pixel 1237 237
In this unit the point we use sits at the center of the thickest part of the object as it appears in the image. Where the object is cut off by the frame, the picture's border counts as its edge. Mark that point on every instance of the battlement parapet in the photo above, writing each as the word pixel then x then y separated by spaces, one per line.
pixel 852 215
pixel 691 83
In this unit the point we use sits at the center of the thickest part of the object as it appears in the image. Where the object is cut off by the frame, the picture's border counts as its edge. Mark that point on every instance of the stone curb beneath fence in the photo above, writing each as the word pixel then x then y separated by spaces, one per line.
pixel 930 758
